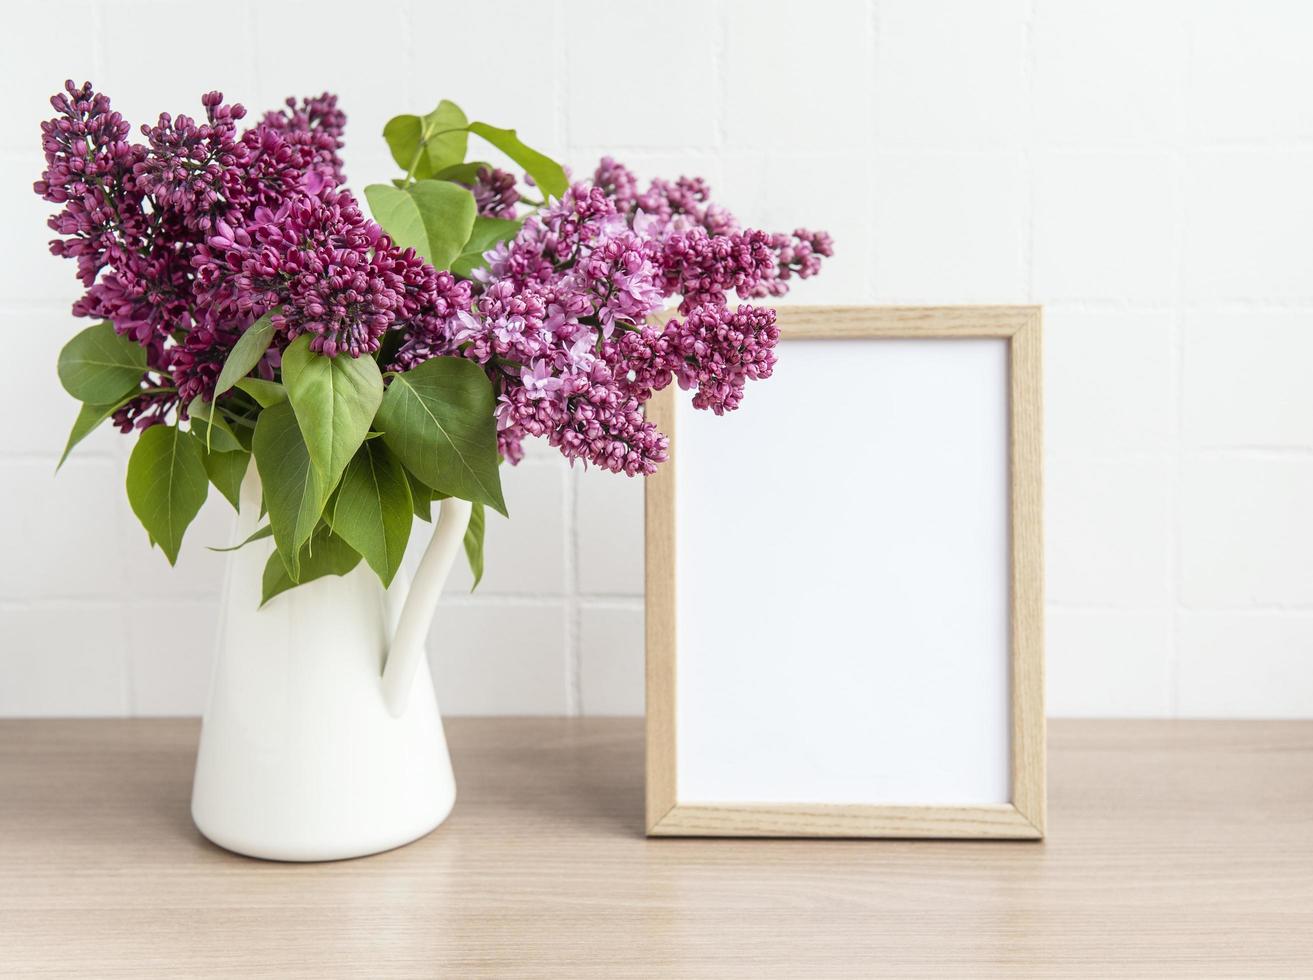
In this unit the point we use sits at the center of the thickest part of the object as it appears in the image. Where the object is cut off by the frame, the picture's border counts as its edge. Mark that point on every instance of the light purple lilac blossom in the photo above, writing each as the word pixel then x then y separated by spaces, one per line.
pixel 183 242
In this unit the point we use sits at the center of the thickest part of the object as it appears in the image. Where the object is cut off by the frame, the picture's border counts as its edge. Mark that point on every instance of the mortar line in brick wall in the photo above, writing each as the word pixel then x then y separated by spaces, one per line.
pixel 536 600
pixel 82 599
pixel 871 272
pixel 1174 144
pixel 127 669
pixel 1241 304
pixel 718 71
pixel 701 148
pixel 603 601
pixel 1271 610
pixel 560 79
pixel 1235 304
pixel 1247 452
pixel 573 667
pixel 1026 161
pixel 531 600
pixel 1256 608
pixel 252 39
pixel 30 307
pixel 1087 606
pixel 1176 582
pixel 1188 453
pixel 51 457
pixel 55 604
pixel 406 16
pixel 1163 149
pixel 97 44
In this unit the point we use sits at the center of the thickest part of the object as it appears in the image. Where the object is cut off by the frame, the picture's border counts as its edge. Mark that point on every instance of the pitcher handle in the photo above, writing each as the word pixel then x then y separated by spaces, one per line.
pixel 407 645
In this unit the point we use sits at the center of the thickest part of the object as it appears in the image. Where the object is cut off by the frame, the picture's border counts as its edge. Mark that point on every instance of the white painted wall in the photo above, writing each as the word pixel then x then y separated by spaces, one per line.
pixel 1140 167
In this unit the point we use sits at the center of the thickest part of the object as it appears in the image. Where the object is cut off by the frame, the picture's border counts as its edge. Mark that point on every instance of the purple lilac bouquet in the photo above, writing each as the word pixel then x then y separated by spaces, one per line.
pixel 373 365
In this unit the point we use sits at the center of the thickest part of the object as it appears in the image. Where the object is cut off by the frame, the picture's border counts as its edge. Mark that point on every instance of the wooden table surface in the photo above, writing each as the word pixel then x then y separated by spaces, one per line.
pixel 1175 849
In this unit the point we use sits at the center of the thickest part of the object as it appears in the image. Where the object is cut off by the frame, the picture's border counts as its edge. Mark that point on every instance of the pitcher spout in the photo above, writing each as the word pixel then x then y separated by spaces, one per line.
pixel 406 648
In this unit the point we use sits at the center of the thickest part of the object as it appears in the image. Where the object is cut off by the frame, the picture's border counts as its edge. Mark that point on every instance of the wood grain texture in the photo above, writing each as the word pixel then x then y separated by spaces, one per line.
pixel 1175 849
pixel 660 612
pixel 841 322
pixel 1027 446
pixel 1024 817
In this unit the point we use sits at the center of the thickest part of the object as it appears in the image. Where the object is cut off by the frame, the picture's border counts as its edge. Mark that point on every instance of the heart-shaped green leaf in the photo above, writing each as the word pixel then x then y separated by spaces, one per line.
pixel 100 367
pixel 372 509
pixel 445 136
pixel 438 418
pixel 422 146
pixel 334 399
pixel 404 136
pixel 434 217
pixel 166 484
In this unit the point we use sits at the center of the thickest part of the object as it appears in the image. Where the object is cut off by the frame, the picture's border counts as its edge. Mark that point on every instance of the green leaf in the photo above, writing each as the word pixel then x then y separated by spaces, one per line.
pixel 226 471
pixel 445 136
pixel 423 146
pixel 421 497
pixel 465 173
pixel 474 543
pixel 486 233
pixel 215 434
pixel 246 354
pixel 166 484
pixel 334 399
pixel 256 535
pixel 89 417
pixel 433 217
pixel 448 212
pixel 438 418
pixel 372 511
pixel 265 392
pixel 404 135
pixel 326 554
pixel 244 433
pixel 100 367
pixel 398 215
pixel 546 172
pixel 293 492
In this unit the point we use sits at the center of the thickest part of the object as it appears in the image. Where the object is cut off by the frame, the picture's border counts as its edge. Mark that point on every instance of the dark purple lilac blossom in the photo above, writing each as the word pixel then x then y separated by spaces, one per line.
pixel 185 241
pixel 316 124
pixel 494 193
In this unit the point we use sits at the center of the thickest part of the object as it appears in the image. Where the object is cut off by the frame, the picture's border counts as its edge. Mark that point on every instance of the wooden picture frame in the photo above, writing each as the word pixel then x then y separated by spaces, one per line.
pixel 1023 817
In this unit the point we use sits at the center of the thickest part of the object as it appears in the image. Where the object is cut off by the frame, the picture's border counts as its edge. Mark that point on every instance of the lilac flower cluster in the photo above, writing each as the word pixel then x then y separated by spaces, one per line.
pixel 563 316
pixel 323 269
pixel 184 241
pixel 316 124
pixel 494 193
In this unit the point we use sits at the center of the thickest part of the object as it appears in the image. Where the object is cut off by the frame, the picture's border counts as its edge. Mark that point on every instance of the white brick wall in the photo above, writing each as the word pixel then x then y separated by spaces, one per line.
pixel 1141 167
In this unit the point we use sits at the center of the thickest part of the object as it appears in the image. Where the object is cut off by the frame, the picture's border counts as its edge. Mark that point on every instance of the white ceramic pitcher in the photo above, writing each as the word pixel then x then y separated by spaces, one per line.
pixel 321 738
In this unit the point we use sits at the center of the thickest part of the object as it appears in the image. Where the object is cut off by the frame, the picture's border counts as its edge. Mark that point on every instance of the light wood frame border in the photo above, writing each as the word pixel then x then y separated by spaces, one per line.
pixel 1024 816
